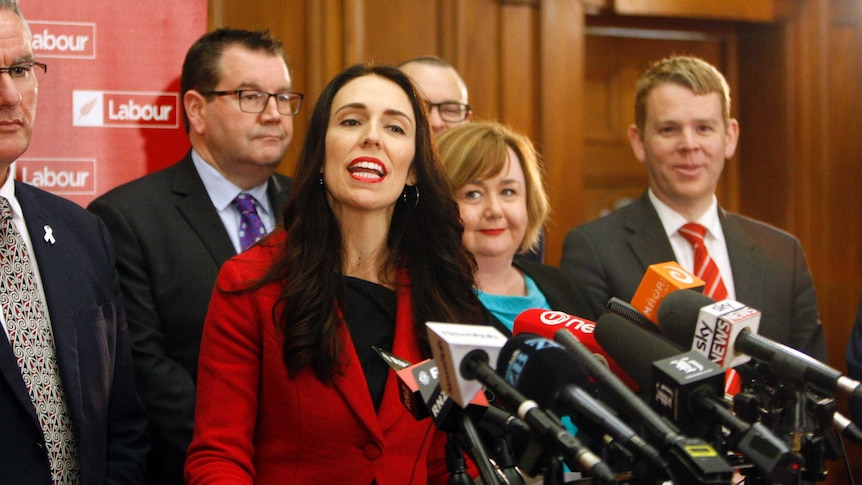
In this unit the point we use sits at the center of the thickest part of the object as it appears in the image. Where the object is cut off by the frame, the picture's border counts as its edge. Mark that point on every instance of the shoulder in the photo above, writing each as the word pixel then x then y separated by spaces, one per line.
pixel 50 205
pixel 626 218
pixel 545 276
pixel 737 225
pixel 253 264
pixel 151 186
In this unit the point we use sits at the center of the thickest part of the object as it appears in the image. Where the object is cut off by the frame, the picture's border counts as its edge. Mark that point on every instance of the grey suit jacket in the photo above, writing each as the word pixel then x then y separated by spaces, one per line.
pixel 170 245
pixel 608 257
pixel 92 343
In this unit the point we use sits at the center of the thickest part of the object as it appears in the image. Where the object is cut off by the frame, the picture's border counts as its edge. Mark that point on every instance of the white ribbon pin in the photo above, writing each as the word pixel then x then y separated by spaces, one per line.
pixel 49 234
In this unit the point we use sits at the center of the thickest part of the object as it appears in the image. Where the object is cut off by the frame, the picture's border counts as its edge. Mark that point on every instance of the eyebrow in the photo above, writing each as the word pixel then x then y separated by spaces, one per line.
pixel 245 85
pixel 389 112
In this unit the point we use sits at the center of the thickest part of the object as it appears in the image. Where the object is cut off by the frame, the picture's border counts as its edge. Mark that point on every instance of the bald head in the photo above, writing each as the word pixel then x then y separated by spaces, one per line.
pixel 440 83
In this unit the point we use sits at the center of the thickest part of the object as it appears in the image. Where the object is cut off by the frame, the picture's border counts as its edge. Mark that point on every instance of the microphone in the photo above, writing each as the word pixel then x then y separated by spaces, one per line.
pixel 546 323
pixel 420 392
pixel 547 372
pixel 658 281
pixel 624 309
pixel 687 387
pixel 464 352
pixel 687 317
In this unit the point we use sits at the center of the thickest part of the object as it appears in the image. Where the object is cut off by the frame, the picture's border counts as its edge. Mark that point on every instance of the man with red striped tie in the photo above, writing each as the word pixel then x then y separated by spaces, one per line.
pixel 683 133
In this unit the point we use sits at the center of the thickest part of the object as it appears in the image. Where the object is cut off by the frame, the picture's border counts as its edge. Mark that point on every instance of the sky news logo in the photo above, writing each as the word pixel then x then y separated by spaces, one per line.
pixel 63 40
pixel 63 176
pixel 125 109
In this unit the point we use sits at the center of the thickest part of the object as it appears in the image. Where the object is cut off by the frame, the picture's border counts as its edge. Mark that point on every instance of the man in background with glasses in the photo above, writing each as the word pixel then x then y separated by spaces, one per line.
pixel 446 95
pixel 69 412
pixel 174 228
pixel 443 88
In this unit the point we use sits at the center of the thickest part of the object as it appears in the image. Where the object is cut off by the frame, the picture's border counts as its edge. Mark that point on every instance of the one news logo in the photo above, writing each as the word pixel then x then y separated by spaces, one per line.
pixel 65 176
pixel 63 40
pixel 119 109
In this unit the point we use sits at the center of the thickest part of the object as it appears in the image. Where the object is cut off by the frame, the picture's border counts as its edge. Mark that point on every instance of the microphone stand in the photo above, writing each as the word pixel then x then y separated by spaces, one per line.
pixel 506 462
pixel 468 431
pixel 455 464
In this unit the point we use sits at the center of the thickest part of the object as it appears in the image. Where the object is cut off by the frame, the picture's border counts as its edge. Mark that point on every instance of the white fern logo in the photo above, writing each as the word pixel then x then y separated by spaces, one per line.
pixel 86 108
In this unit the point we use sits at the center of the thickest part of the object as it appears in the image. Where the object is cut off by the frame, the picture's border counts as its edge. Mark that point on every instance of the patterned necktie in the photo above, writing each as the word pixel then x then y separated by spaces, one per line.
pixel 704 267
pixel 251 228
pixel 32 340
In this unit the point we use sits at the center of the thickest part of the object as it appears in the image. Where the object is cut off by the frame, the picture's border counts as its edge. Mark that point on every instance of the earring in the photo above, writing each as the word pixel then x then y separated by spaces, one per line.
pixel 321 178
pixel 410 200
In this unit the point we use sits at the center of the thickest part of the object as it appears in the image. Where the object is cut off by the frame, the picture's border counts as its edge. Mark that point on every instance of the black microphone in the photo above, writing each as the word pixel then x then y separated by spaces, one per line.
pixel 545 371
pixel 621 308
pixel 450 344
pixel 691 460
pixel 692 319
pixel 687 387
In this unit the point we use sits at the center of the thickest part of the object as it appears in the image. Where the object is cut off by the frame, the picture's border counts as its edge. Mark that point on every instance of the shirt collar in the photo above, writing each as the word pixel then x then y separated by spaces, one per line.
pixel 7 190
pixel 222 192
pixel 672 220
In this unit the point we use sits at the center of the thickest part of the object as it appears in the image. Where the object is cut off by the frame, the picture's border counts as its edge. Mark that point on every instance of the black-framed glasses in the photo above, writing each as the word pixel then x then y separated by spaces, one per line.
pixel 254 100
pixel 24 73
pixel 450 111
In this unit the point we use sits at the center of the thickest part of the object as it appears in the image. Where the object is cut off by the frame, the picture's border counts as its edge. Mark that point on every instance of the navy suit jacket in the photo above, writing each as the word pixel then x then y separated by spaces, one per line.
pixel 90 334
pixel 170 245
pixel 608 257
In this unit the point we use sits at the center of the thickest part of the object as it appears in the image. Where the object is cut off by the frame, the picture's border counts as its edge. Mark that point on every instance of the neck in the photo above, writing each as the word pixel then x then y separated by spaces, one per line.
pixel 249 177
pixel 498 276
pixel 365 250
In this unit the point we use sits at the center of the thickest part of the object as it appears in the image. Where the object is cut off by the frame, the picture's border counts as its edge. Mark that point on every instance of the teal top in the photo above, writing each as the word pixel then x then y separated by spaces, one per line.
pixel 506 307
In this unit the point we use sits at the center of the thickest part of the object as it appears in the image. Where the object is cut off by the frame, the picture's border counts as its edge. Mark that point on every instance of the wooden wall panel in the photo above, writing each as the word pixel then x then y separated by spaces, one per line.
pixel 561 91
pixel 747 10
pixel 395 30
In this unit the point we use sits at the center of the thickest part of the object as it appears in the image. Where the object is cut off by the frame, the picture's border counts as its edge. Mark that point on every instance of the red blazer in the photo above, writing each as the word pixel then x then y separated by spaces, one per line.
pixel 254 424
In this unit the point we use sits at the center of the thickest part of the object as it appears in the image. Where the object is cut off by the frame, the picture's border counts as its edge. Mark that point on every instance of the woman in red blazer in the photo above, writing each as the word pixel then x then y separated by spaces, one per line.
pixel 290 389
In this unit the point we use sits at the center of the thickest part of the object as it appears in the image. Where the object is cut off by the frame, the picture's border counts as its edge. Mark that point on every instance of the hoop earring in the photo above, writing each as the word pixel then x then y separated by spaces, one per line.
pixel 407 197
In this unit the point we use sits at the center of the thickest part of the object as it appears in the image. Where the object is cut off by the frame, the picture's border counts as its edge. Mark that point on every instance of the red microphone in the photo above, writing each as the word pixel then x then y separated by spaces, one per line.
pixel 545 323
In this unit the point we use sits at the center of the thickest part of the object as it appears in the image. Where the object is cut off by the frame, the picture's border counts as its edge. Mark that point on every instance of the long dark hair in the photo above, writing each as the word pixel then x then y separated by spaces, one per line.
pixel 424 239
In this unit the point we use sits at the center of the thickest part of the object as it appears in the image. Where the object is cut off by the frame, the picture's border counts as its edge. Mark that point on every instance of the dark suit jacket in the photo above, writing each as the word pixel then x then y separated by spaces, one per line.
pixel 552 282
pixel 90 334
pixel 609 256
pixel 853 358
pixel 170 245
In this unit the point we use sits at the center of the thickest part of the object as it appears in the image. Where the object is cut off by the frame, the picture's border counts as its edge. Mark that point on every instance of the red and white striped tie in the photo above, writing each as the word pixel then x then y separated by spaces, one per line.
pixel 704 267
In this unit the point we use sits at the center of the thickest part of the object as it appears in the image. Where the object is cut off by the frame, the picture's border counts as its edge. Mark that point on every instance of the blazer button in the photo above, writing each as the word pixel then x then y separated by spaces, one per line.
pixel 372 451
pixel 38 448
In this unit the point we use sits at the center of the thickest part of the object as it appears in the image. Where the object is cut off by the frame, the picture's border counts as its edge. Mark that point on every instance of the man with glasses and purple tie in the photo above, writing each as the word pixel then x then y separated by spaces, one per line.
pixel 174 228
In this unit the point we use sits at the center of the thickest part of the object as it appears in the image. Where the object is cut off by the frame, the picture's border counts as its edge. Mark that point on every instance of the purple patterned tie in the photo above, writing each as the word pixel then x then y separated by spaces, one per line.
pixel 32 340
pixel 251 228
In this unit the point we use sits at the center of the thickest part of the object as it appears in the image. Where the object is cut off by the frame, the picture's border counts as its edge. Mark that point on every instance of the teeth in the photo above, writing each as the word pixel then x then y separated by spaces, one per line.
pixel 366 165
pixel 366 175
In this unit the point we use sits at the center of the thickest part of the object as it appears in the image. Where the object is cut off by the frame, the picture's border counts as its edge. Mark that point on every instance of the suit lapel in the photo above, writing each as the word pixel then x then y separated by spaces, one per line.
pixel 57 277
pixel 352 384
pixel 196 207
pixel 647 238
pixel 749 277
